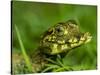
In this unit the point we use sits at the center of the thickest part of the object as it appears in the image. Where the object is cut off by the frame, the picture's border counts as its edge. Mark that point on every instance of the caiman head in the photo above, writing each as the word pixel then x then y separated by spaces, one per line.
pixel 63 37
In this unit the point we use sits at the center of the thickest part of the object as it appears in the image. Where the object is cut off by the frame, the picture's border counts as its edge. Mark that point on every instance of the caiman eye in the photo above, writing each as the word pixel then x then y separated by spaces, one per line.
pixel 59 30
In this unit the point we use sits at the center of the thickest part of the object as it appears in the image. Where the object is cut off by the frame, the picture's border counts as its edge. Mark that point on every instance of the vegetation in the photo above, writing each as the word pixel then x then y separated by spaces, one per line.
pixel 33 18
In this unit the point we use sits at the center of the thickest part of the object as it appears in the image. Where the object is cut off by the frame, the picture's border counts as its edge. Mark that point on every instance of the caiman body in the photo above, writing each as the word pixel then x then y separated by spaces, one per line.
pixel 58 39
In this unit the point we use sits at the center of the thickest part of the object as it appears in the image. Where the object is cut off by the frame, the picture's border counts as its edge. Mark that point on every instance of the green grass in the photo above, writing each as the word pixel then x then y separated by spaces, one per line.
pixel 56 65
pixel 34 18
pixel 26 58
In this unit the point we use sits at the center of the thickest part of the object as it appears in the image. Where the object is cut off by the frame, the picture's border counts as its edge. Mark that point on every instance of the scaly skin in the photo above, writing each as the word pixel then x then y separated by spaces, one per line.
pixel 63 37
pixel 59 39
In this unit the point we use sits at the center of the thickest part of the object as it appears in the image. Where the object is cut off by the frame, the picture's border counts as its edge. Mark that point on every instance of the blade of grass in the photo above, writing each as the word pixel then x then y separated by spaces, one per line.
pixel 48 65
pixel 50 60
pixel 26 58
pixel 59 60
pixel 60 63
pixel 59 69
pixel 49 68
pixel 64 69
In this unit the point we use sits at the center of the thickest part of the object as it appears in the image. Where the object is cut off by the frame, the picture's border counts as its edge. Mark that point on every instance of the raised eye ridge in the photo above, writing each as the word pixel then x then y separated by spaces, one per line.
pixel 72 22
